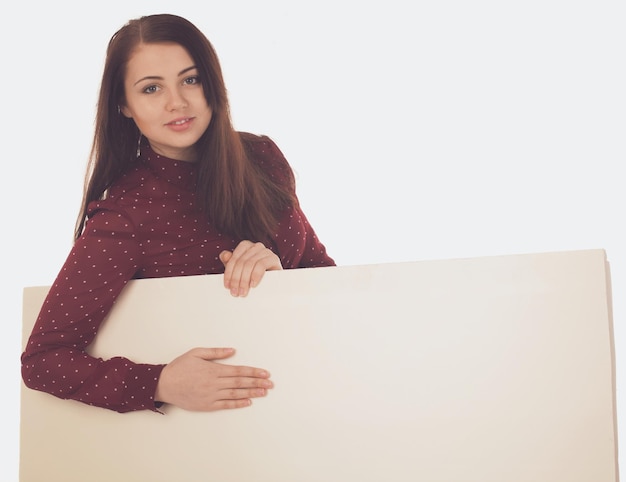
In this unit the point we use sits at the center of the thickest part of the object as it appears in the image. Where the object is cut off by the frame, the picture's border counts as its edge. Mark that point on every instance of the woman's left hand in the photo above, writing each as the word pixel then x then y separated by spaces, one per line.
pixel 246 265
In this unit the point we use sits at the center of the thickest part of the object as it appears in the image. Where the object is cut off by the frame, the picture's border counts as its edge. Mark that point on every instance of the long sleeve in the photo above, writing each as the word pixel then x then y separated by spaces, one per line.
pixel 55 359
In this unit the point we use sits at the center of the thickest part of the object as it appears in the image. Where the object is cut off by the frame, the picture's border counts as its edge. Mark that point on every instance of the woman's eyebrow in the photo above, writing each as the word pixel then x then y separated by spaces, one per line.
pixel 156 77
pixel 186 70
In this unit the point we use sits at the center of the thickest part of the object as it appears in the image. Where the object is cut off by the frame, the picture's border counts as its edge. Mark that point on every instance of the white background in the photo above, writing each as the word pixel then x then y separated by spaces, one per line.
pixel 418 130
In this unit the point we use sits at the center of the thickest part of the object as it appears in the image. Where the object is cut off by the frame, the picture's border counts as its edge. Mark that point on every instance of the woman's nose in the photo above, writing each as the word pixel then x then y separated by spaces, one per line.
pixel 176 101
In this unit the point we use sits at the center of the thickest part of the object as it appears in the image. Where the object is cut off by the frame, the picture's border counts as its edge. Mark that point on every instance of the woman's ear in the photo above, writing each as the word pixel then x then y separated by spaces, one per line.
pixel 125 111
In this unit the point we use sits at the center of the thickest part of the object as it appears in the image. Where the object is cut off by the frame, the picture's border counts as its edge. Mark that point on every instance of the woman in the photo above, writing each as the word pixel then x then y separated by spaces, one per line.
pixel 172 190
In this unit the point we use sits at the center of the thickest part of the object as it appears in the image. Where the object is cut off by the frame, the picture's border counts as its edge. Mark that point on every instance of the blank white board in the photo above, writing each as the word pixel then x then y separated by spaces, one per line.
pixel 485 369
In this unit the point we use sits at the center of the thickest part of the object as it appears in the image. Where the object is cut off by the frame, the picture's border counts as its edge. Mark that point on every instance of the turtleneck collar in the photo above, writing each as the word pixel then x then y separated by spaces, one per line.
pixel 179 173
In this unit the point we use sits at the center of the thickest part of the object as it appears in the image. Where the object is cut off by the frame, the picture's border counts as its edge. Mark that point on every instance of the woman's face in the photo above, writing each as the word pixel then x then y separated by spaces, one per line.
pixel 164 97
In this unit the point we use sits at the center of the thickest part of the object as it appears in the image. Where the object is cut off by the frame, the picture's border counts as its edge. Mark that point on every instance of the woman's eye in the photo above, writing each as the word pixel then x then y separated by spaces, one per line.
pixel 150 89
pixel 192 80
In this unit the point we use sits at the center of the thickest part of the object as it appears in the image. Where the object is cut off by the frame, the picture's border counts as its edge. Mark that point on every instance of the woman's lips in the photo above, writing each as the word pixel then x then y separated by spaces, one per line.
pixel 180 124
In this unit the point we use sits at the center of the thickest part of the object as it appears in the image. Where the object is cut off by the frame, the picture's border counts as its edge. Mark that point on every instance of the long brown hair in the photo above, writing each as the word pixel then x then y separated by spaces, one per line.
pixel 236 195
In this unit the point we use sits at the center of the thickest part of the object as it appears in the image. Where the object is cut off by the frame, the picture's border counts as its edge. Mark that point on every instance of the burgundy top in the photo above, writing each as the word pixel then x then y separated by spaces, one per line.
pixel 147 227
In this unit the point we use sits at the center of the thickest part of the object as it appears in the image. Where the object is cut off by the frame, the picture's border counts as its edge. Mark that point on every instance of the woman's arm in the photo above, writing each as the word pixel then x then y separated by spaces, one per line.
pixel 295 240
pixel 55 359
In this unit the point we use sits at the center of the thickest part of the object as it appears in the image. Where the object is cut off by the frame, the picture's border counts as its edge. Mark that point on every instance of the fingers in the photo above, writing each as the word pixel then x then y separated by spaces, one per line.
pixel 227 404
pixel 212 353
pixel 225 256
pixel 246 265
pixel 229 371
pixel 231 393
pixel 242 376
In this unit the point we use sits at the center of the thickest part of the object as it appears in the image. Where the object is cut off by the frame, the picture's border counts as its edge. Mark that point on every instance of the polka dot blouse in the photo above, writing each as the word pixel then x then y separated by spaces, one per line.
pixel 148 227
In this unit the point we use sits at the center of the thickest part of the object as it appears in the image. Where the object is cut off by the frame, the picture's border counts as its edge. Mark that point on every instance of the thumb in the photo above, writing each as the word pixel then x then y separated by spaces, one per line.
pixel 212 353
pixel 225 256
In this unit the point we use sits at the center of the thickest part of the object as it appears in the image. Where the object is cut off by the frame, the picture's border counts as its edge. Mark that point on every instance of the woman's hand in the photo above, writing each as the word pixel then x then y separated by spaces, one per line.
pixel 193 381
pixel 246 265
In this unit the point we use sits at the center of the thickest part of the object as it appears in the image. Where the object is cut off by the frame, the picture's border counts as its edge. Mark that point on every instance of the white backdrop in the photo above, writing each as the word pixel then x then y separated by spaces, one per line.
pixel 418 130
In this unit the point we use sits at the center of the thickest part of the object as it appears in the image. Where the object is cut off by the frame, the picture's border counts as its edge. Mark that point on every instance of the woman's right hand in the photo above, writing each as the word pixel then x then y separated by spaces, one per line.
pixel 193 381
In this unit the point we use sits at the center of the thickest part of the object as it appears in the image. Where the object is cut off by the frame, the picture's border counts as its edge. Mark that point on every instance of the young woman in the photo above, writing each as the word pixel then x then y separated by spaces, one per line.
pixel 172 190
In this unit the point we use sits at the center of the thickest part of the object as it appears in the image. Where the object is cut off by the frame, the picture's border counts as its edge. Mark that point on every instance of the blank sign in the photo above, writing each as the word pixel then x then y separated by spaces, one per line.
pixel 483 369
